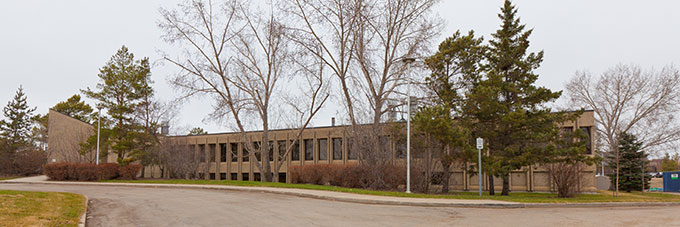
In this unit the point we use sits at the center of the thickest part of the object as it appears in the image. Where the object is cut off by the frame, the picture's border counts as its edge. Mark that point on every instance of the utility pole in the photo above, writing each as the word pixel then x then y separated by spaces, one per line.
pixel 408 62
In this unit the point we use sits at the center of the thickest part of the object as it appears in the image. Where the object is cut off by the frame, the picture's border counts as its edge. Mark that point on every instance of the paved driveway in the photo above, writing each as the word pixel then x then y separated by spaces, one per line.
pixel 126 206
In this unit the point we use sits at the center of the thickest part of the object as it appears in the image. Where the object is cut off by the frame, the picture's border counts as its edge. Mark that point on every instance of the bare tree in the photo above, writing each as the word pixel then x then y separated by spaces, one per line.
pixel 627 99
pixel 238 55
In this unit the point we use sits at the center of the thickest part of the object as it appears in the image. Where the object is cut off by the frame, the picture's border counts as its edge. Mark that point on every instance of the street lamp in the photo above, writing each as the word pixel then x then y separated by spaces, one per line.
pixel 99 123
pixel 408 61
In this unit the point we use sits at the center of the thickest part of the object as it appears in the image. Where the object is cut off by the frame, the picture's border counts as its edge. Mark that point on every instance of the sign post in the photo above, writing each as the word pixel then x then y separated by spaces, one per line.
pixel 480 145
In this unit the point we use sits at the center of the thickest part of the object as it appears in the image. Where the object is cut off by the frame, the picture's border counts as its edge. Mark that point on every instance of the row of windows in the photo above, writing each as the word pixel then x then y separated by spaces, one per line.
pixel 307 155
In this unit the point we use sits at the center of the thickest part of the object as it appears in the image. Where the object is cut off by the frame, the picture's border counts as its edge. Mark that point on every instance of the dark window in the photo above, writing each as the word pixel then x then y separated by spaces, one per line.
pixel 256 148
pixel 351 154
pixel 223 176
pixel 234 176
pixel 245 176
pixel 201 176
pixel 256 177
pixel 384 144
pixel 201 152
pixel 589 149
pixel 295 153
pixel 309 150
pixel 213 154
pixel 282 150
pixel 223 152
pixel 438 178
pixel 337 148
pixel 234 152
pixel 401 149
pixel 212 176
pixel 246 154
pixel 192 152
pixel 271 150
pixel 323 149
pixel 282 177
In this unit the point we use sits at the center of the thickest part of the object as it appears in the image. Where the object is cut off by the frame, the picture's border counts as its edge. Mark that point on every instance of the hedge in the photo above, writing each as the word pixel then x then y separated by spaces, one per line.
pixel 90 172
pixel 352 176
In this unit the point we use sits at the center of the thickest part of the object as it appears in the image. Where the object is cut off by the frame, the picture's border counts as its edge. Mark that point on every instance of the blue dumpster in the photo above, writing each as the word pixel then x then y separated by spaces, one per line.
pixel 671 181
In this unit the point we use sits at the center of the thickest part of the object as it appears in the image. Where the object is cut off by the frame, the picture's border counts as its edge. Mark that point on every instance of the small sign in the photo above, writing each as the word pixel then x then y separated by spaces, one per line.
pixel 480 143
pixel 674 176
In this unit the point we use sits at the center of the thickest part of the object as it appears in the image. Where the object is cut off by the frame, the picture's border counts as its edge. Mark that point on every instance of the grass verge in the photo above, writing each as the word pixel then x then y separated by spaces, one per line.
pixel 523 197
pixel 23 208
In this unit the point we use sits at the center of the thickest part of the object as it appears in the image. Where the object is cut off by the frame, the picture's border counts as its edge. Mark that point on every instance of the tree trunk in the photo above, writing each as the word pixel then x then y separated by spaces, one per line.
pixel 446 177
pixel 506 184
pixel 490 184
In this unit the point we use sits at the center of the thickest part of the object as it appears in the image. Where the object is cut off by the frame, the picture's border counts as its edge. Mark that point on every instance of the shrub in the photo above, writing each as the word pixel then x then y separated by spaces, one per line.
pixel 107 171
pixel 129 172
pixel 353 176
pixel 56 171
pixel 90 172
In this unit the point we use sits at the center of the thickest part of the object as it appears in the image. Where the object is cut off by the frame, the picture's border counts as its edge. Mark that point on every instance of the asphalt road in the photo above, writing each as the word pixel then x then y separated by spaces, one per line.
pixel 126 206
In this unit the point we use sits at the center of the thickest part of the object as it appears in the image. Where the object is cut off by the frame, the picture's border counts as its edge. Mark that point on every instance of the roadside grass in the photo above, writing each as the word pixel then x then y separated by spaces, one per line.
pixel 24 208
pixel 522 197
pixel 7 178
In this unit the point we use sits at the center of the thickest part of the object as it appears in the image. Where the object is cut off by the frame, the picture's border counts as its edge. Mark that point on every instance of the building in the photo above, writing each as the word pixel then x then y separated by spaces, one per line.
pixel 224 157
pixel 64 137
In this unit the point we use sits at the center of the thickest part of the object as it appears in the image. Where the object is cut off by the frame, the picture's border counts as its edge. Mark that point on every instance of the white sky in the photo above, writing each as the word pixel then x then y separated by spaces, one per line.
pixel 55 48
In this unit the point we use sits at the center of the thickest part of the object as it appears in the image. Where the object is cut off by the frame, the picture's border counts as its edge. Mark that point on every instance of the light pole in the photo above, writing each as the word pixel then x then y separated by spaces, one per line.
pixel 99 125
pixel 480 146
pixel 408 62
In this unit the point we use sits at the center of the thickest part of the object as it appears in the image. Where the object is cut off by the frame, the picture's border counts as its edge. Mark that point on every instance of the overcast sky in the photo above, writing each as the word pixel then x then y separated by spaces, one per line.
pixel 55 48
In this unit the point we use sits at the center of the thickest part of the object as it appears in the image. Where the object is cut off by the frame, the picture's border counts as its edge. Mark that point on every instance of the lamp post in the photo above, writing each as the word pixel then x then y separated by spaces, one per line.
pixel 480 146
pixel 99 123
pixel 408 62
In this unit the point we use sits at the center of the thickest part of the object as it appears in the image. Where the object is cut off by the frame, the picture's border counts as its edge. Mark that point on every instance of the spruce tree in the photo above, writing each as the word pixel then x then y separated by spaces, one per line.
pixel 507 105
pixel 15 129
pixel 632 160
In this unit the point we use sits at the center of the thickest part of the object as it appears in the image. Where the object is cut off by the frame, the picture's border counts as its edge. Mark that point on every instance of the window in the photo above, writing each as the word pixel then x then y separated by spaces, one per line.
pixel 234 176
pixel 384 144
pixel 589 149
pixel 246 154
pixel 282 149
pixel 213 154
pixel 337 148
pixel 309 150
pixel 282 177
pixel 351 154
pixel 201 152
pixel 212 176
pixel 271 150
pixel 323 149
pixel 192 152
pixel 295 153
pixel 245 176
pixel 234 152
pixel 223 176
pixel 256 177
pixel 258 154
pixel 400 149
pixel 223 153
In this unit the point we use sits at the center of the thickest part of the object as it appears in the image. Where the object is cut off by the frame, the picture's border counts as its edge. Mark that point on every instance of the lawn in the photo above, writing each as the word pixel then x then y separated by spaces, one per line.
pixel 524 197
pixel 23 208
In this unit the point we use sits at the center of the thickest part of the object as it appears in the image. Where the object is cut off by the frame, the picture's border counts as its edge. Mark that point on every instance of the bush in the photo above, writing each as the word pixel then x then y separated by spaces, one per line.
pixel 21 163
pixel 352 176
pixel 107 171
pixel 129 172
pixel 90 172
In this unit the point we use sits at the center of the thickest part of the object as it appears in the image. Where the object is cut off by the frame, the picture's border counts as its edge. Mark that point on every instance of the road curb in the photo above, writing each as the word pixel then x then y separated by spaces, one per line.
pixel 83 217
pixel 364 201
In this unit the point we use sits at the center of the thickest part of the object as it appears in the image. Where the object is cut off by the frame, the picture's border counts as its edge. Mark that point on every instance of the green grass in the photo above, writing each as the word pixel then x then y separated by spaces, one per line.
pixel 523 197
pixel 23 208
pixel 7 178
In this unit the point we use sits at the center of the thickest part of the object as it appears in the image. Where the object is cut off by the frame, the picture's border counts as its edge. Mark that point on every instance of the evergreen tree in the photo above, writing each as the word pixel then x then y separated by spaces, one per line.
pixel 15 129
pixel 670 164
pixel 197 131
pixel 506 105
pixel 124 82
pixel 632 160
pixel 75 108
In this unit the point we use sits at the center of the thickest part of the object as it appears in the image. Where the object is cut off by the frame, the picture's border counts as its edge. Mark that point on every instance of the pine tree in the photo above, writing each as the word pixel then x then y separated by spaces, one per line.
pixel 124 82
pixel 16 128
pixel 632 160
pixel 507 105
